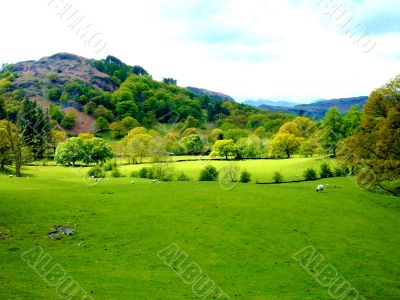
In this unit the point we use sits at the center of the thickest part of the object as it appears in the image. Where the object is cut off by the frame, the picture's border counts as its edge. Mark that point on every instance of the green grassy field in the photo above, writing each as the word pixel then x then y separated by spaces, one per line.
pixel 243 239
pixel 261 170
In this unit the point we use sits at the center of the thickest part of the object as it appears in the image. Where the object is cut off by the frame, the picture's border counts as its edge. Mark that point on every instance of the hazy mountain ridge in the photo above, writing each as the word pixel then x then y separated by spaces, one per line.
pixel 318 109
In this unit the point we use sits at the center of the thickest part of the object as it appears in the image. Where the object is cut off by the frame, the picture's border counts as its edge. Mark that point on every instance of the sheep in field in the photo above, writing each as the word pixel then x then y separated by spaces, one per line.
pixel 320 188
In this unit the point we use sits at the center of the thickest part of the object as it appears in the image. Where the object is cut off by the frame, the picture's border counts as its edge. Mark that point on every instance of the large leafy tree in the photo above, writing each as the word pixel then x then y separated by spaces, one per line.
pixel 284 145
pixel 373 151
pixel 85 148
pixel 224 148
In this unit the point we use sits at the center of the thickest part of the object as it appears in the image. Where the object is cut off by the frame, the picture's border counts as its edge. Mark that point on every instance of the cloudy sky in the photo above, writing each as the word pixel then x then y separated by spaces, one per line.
pixel 256 49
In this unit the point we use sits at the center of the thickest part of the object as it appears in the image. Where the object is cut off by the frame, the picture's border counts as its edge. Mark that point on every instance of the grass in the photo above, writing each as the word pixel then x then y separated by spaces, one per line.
pixel 261 170
pixel 244 239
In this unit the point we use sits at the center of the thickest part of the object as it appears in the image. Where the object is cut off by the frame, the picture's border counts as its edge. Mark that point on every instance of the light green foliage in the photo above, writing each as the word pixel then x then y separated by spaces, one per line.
pixel 192 144
pixel 69 120
pixel 284 145
pixel 224 148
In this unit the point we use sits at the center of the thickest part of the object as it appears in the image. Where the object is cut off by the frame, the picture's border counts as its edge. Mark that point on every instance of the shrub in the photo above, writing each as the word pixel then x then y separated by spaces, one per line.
pixel 326 171
pixel 135 174
pixel 110 165
pixel 145 173
pixel 245 176
pixel 209 173
pixel 96 172
pixel 339 172
pixel 116 173
pixel 310 174
pixel 183 177
pixel 277 177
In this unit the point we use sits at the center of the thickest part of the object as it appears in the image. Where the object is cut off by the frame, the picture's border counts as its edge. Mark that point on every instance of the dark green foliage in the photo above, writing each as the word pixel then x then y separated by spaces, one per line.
pixel 35 126
pixel 170 81
pixel 277 177
pixel 56 113
pixel 310 174
pixel 325 171
pixel 183 177
pixel 145 173
pixel 69 121
pixel 117 70
pixel 116 173
pixel 245 176
pixel 54 94
pixel 3 113
pixel 96 172
pixel 101 124
pixel 339 171
pixel 209 173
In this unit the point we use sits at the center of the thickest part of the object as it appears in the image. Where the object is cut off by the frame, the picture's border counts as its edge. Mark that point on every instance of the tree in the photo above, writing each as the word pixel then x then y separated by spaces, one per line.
pixel 137 144
pixel 89 108
pixel 170 81
pixel 84 148
pixel 126 109
pixel 291 128
pixel 69 121
pixel 352 121
pixel 3 112
pixel 332 130
pixel 192 144
pixel 5 149
pixel 54 94
pixel 284 144
pixel 56 113
pixel 373 151
pixel 34 125
pixel 224 148
pixel 101 124
pixel 129 123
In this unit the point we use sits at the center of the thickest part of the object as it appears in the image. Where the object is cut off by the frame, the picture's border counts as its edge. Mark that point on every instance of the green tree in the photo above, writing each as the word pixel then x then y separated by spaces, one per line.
pixel 55 94
pixel 224 148
pixel 56 113
pixel 69 121
pixel 192 144
pixel 284 144
pixel 127 109
pixel 352 121
pixel 332 130
pixel 101 124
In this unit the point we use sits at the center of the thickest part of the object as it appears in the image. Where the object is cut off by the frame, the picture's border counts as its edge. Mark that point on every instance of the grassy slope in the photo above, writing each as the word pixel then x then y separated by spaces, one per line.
pixel 243 239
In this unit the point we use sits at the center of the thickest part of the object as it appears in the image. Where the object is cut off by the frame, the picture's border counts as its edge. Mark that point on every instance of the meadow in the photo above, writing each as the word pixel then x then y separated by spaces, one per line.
pixel 244 239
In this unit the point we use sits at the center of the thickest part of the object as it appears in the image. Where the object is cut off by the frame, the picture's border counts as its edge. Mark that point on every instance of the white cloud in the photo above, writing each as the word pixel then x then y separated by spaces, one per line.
pixel 252 49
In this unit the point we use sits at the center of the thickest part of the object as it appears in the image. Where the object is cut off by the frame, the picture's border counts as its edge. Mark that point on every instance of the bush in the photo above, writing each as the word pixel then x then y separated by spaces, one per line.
pixel 245 177
pixel 277 177
pixel 183 177
pixel 116 173
pixel 326 171
pixel 209 173
pixel 135 174
pixel 96 172
pixel 339 172
pixel 145 173
pixel 110 165
pixel 310 174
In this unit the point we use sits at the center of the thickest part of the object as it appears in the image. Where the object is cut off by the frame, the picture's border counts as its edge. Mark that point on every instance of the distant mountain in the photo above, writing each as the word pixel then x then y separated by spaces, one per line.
pixel 318 109
pixel 257 103
pixel 214 95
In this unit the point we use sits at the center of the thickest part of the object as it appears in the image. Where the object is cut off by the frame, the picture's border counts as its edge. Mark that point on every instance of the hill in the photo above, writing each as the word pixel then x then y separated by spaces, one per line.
pixel 85 90
pixel 214 95
pixel 318 109
pixel 257 103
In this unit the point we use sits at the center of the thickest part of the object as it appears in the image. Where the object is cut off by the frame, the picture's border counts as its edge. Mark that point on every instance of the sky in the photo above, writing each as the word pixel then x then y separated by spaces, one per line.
pixel 256 49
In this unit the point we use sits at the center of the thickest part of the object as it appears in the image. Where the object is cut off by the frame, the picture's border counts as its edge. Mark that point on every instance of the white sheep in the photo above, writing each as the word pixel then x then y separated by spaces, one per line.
pixel 154 180
pixel 320 188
